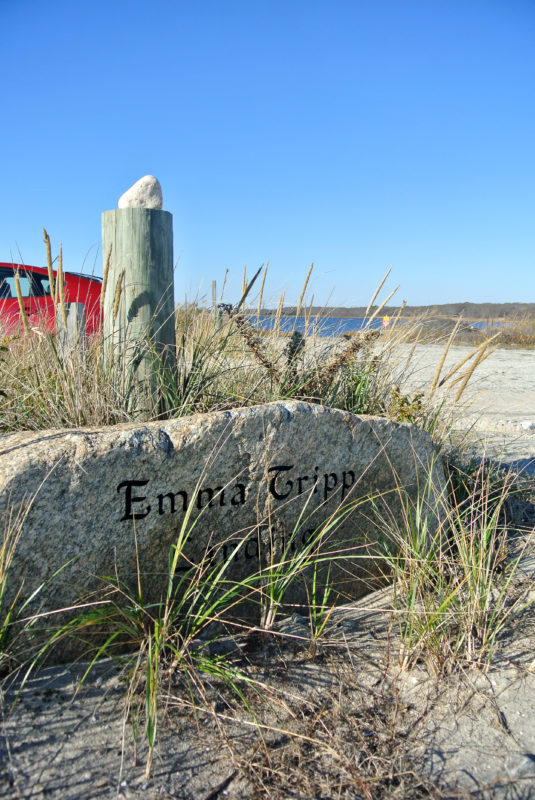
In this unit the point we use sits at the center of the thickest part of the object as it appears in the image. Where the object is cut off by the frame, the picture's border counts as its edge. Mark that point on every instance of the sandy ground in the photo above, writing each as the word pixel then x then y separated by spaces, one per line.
pixel 498 406
pixel 341 720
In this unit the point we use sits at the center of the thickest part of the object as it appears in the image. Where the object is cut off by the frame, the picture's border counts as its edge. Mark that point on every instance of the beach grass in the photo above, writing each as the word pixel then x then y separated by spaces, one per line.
pixel 451 588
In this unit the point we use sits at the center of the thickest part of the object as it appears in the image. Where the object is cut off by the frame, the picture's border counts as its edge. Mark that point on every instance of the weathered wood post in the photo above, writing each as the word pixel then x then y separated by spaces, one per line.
pixel 138 307
pixel 71 336
pixel 214 298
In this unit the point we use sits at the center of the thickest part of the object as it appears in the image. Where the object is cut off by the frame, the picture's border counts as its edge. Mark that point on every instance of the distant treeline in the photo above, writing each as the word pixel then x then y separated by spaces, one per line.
pixel 469 311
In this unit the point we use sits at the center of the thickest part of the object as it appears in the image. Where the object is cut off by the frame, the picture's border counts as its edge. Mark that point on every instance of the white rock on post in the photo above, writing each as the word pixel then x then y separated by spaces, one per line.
pixel 145 193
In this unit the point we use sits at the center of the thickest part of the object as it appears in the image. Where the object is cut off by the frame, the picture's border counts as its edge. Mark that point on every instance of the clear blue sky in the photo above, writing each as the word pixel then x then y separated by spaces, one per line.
pixel 354 134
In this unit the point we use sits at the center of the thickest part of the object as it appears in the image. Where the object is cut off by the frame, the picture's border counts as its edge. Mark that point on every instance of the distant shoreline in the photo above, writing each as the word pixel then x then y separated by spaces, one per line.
pixel 473 312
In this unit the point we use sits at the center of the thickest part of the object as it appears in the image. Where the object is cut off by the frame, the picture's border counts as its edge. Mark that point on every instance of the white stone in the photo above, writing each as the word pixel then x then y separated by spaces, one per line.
pixel 145 193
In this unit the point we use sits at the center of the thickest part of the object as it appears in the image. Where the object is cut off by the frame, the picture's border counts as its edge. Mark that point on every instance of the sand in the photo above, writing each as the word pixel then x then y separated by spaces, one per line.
pixel 498 406
pixel 470 734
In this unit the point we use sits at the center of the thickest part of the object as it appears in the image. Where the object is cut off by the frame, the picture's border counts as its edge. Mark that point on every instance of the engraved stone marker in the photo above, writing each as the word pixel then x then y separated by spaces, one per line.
pixel 258 483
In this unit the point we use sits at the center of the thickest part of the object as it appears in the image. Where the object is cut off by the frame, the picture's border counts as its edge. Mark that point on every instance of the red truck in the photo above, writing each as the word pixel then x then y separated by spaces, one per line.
pixel 37 299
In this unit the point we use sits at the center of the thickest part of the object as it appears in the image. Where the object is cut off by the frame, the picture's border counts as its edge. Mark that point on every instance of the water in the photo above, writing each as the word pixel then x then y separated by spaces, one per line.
pixel 334 326
pixel 481 325
pixel 327 326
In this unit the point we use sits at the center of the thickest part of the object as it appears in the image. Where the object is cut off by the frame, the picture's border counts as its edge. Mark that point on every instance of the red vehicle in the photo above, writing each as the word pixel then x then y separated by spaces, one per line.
pixel 37 299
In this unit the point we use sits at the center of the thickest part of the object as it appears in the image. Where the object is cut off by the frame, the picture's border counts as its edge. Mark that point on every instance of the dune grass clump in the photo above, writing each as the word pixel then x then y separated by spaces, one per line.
pixel 451 583
pixel 222 360
pixel 453 586
pixel 196 632
pixel 450 600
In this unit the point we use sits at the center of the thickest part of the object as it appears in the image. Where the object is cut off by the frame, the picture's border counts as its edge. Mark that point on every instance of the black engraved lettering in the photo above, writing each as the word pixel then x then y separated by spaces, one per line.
pixel 209 493
pixel 345 484
pixel 273 482
pixel 316 480
pixel 238 498
pixel 129 499
pixel 300 483
pixel 172 505
pixel 330 481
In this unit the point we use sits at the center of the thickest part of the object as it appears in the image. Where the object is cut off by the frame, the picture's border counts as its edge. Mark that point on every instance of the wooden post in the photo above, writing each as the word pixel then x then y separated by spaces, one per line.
pixel 138 308
pixel 214 298
pixel 71 330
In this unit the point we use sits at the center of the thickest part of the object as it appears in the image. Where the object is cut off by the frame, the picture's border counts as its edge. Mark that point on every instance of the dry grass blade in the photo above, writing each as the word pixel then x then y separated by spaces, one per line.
pixel 308 314
pixel 223 287
pixel 49 265
pixel 118 291
pixel 381 284
pixel 482 347
pixel 247 287
pixel 61 289
pixel 22 310
pixel 446 611
pixel 303 290
pixel 327 374
pixel 105 276
pixel 256 348
pixel 278 315
pixel 436 376
pixel 383 304
pixel 261 295
pixel 398 315
pixel 482 355
pixel 411 352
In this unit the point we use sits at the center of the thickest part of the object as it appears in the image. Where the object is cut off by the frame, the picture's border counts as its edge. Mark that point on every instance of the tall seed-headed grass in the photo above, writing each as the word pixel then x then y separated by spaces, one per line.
pixel 476 355
pixel 247 286
pixel 61 289
pixel 303 291
pixel 381 306
pixel 261 292
pixel 52 283
pixel 398 316
pixel 481 356
pixel 49 388
pixel 117 296
pixel 212 370
pixel 436 376
pixel 22 309
pixel 376 293
pixel 308 313
pixel 105 274
pixel 278 315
